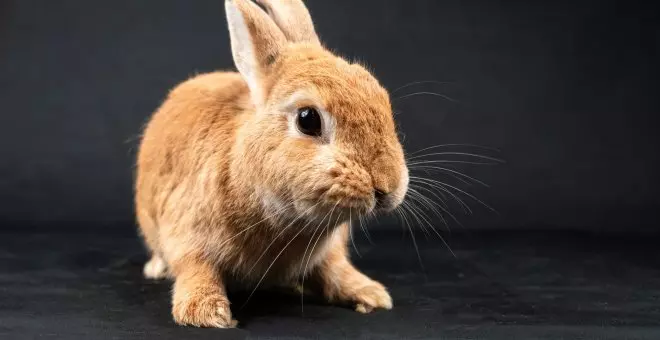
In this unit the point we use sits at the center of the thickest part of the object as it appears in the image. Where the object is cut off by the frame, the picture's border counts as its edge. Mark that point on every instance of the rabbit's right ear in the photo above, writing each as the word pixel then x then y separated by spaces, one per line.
pixel 256 43
pixel 293 19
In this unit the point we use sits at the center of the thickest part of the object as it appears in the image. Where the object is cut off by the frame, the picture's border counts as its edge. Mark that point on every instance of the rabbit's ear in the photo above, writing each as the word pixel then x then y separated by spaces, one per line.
pixel 293 19
pixel 256 43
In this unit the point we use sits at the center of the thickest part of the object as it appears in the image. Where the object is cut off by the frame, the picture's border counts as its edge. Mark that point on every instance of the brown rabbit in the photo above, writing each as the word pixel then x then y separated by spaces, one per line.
pixel 253 177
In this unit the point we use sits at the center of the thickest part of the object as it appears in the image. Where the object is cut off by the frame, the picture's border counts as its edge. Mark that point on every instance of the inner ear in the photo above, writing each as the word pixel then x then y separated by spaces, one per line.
pixel 256 43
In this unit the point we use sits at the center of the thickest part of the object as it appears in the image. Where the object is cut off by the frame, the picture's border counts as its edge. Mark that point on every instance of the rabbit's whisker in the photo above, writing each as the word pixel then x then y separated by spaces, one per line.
pixel 458 154
pixel 424 217
pixel 350 232
pixel 419 162
pixel 438 185
pixel 444 208
pixel 246 229
pixel 275 260
pixel 443 169
pixel 364 228
pixel 309 257
pixel 412 235
pixel 421 226
pixel 427 93
pixel 420 82
pixel 456 144
pixel 427 169
pixel 428 204
pixel 423 181
pixel 280 234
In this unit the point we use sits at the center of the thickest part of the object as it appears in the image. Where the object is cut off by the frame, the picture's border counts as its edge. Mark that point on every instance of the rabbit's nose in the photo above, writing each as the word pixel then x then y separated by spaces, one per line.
pixel 380 197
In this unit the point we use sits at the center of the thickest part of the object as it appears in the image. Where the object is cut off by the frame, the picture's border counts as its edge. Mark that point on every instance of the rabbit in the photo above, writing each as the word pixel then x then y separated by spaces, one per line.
pixel 254 176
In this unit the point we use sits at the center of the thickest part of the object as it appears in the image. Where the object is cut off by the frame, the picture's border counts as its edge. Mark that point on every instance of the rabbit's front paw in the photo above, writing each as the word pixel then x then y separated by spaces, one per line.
pixel 372 296
pixel 204 311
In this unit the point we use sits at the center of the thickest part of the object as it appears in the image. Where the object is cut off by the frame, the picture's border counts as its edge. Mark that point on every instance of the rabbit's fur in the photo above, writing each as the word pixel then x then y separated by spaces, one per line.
pixel 228 188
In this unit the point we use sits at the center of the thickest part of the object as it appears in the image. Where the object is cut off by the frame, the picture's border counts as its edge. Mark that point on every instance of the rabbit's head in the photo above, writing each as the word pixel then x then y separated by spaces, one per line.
pixel 323 135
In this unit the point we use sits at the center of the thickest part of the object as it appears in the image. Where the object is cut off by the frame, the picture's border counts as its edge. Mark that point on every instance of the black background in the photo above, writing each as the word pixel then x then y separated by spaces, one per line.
pixel 566 90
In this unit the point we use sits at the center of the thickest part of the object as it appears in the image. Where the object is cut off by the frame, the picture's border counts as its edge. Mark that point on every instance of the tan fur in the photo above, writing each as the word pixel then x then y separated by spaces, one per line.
pixel 226 189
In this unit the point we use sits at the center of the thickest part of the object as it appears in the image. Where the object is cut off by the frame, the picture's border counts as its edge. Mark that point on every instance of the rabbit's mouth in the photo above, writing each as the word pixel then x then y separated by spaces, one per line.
pixel 344 209
pixel 347 201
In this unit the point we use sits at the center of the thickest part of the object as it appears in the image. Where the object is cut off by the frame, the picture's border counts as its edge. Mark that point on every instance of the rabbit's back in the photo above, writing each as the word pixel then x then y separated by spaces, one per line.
pixel 194 128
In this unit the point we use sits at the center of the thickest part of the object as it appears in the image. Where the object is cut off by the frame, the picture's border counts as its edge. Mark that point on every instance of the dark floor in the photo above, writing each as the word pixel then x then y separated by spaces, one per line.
pixel 504 285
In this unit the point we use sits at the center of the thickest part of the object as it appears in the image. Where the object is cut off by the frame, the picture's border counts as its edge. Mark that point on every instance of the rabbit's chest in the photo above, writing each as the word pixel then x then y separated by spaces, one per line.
pixel 285 258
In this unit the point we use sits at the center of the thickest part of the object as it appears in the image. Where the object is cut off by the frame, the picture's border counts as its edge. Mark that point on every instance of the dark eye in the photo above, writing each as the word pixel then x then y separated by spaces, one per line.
pixel 309 121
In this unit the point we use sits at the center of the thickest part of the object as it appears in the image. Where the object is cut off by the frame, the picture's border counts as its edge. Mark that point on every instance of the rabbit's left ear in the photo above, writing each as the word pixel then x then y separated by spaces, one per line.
pixel 293 19
pixel 256 43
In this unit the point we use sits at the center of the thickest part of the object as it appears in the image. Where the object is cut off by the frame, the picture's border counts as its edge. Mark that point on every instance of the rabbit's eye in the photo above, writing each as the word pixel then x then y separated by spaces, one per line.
pixel 309 121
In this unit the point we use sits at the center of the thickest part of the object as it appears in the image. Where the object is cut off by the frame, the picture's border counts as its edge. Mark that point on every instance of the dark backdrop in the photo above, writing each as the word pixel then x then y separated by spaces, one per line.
pixel 567 90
